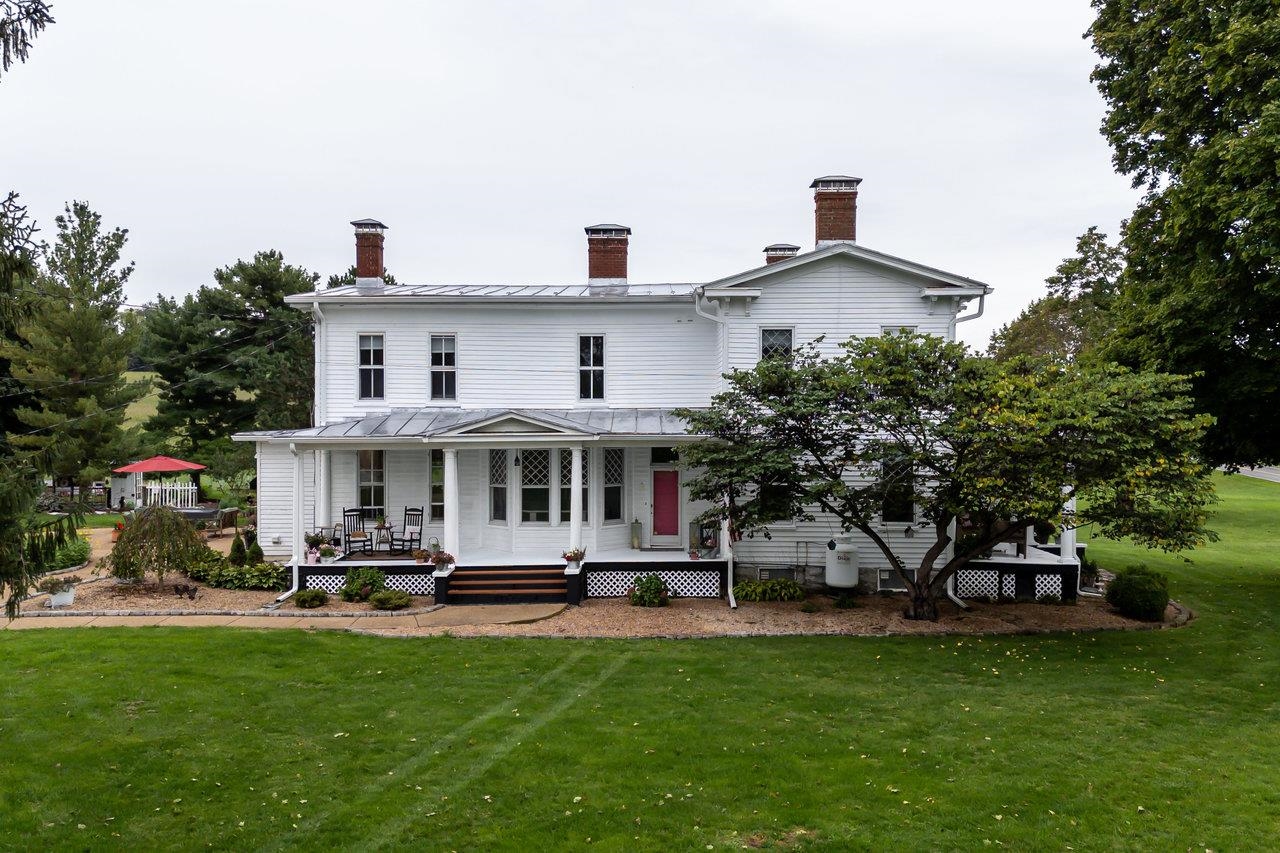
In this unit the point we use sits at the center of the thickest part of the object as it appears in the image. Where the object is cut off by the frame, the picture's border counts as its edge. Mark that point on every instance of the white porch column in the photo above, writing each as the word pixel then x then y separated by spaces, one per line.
pixel 452 527
pixel 575 497
pixel 298 498
pixel 323 489
pixel 1067 538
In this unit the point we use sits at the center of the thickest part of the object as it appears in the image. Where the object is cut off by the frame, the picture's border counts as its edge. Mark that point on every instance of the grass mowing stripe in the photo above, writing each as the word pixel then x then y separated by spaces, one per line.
pixel 389 831
pixel 370 791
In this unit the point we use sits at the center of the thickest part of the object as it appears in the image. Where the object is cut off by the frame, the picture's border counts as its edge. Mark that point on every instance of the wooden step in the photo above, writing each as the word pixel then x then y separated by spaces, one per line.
pixel 560 582
pixel 509 591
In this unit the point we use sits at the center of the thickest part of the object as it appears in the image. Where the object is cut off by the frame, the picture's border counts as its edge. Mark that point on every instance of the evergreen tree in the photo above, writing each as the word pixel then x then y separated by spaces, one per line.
pixel 349 277
pixel 73 351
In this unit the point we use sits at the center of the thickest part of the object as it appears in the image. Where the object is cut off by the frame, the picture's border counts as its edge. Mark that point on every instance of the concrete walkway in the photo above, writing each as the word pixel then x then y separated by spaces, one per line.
pixel 445 617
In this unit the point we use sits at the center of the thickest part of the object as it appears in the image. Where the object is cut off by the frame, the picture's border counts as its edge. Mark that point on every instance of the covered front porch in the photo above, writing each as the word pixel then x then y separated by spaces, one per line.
pixel 497 489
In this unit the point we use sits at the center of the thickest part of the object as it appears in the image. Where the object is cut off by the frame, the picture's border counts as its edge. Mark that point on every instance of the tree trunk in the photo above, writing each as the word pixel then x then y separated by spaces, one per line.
pixel 923 604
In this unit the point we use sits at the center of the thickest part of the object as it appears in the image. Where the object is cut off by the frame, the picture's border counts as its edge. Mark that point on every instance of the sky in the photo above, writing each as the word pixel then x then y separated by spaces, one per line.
pixel 487 135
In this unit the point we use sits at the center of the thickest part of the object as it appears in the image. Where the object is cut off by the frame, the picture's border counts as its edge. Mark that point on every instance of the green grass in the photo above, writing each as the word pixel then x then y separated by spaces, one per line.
pixel 139 410
pixel 172 738
pixel 89 519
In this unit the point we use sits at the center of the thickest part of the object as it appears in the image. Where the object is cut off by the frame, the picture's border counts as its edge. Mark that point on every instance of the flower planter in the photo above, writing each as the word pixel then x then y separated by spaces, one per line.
pixel 573 565
pixel 62 599
pixel 325 561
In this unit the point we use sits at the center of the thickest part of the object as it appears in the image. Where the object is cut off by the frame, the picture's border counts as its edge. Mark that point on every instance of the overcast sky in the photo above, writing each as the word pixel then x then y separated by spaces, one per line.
pixel 488 134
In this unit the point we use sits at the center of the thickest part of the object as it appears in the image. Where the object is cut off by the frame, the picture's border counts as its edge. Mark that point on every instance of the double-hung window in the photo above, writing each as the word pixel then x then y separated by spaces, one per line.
pixel 444 367
pixel 615 459
pixel 372 357
pixel 372 483
pixel 437 485
pixel 776 343
pixel 566 484
pixel 497 485
pixel 535 485
pixel 590 367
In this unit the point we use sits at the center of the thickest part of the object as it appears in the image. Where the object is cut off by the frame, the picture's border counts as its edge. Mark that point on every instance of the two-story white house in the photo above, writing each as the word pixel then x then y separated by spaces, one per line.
pixel 525 420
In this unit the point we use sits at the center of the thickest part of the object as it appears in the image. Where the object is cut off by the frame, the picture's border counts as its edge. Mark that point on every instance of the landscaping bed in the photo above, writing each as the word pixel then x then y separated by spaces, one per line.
pixel 873 615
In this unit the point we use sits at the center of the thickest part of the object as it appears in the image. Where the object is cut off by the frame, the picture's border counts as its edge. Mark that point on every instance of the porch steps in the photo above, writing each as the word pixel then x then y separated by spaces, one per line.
pixel 507 585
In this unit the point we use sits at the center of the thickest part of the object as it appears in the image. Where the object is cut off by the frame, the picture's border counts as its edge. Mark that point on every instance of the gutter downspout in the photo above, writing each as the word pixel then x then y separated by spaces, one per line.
pixel 297 520
pixel 951 581
pixel 720 319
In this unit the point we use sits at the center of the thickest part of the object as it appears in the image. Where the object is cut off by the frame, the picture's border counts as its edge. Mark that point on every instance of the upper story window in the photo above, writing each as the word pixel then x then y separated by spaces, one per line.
pixel 444 367
pixel 776 343
pixel 535 485
pixel 590 367
pixel 371 481
pixel 372 357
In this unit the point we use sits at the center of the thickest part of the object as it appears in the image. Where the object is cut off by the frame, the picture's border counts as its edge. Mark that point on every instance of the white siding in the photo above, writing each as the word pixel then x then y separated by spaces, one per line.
pixel 840 298
pixel 526 355
pixel 275 498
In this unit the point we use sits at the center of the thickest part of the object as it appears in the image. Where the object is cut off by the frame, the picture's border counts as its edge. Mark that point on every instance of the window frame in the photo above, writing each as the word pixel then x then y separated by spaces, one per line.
pixel 361 367
pixel 432 485
pixel 432 370
pixel 885 502
pixel 602 367
pixel 545 486
pixel 505 486
pixel 790 330
pixel 370 511
pixel 885 331
pixel 605 486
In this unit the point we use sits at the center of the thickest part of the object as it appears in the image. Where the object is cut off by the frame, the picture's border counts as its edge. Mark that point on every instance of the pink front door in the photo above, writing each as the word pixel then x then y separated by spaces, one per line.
pixel 666 503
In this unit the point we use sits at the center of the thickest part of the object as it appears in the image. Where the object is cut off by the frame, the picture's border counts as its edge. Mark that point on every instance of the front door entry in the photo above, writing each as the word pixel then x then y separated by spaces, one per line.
pixel 666 509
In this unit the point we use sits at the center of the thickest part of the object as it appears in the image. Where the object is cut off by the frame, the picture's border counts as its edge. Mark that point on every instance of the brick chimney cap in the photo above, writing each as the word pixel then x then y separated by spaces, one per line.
pixel 781 247
pixel 607 230
pixel 835 182
pixel 368 225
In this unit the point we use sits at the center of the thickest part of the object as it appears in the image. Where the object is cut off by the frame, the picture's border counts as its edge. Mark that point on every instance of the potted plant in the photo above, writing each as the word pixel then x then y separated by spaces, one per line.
pixel 62 590
pixel 694 555
pixel 380 522
pixel 328 554
pixel 313 540
pixel 421 556
pixel 115 531
pixel 574 557
pixel 442 560
pixel 313 556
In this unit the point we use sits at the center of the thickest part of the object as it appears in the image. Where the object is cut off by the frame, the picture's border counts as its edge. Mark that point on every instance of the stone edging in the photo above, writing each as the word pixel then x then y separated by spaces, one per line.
pixel 286 614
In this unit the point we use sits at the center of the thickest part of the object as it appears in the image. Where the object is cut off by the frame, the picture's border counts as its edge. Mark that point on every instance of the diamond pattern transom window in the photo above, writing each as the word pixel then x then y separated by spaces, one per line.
pixel 535 467
pixel 566 466
pixel 614 464
pixel 498 467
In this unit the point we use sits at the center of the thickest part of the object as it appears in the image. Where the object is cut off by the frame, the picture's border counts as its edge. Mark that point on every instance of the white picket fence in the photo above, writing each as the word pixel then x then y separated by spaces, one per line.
pixel 178 495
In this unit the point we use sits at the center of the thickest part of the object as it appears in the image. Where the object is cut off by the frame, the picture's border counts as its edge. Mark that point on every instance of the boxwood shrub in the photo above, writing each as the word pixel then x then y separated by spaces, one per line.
pixel 390 599
pixel 1139 593
pixel 311 598
pixel 362 583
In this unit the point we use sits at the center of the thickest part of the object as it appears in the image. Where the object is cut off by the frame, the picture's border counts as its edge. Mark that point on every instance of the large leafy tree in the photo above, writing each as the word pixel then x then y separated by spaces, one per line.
pixel 73 350
pixel 995 445
pixel 1075 317
pixel 1193 96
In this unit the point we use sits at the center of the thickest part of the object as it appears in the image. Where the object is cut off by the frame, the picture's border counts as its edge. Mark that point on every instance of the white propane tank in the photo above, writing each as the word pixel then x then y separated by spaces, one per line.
pixel 842 564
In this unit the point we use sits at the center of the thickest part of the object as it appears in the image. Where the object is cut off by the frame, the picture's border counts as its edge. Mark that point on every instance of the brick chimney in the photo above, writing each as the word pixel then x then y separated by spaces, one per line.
pixel 779 252
pixel 835 200
pixel 607 255
pixel 369 268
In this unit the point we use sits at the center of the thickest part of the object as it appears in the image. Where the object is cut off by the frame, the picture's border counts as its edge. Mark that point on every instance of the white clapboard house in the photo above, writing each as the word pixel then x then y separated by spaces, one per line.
pixel 525 420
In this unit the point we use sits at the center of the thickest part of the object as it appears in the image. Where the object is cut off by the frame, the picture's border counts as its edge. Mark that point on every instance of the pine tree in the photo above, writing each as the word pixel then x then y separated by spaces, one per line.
pixel 74 350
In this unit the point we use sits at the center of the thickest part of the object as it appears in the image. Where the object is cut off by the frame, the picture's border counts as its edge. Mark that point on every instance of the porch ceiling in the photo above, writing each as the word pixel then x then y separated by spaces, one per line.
pixel 468 426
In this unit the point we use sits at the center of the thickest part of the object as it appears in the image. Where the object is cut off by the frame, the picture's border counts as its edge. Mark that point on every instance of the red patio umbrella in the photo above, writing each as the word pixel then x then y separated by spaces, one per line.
pixel 159 465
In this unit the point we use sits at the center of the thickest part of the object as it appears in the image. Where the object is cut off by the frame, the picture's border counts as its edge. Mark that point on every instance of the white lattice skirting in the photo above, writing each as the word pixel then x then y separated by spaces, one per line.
pixel 983 583
pixel 696 584
pixel 413 584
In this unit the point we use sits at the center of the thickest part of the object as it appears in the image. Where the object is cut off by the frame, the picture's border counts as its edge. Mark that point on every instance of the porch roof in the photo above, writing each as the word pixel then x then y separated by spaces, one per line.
pixel 468 425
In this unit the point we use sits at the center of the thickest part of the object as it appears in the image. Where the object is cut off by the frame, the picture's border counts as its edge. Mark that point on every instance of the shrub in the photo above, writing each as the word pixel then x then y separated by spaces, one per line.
pixel 390 599
pixel 53 586
pixel 1139 593
pixel 810 607
pixel 362 583
pixel 776 589
pixel 74 553
pixel 251 576
pixel 205 565
pixel 253 553
pixel 237 556
pixel 154 539
pixel 309 598
pixel 649 591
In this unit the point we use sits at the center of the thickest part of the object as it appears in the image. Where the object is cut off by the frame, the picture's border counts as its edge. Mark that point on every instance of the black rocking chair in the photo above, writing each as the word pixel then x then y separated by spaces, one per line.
pixel 411 538
pixel 354 537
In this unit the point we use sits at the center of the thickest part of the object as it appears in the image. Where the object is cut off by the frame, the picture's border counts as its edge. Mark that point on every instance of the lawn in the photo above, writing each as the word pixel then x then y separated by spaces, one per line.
pixel 139 410
pixel 173 738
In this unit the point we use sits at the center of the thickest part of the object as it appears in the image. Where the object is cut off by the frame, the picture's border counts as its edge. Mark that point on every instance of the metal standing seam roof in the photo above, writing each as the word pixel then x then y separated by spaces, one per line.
pixel 426 423
pixel 495 291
